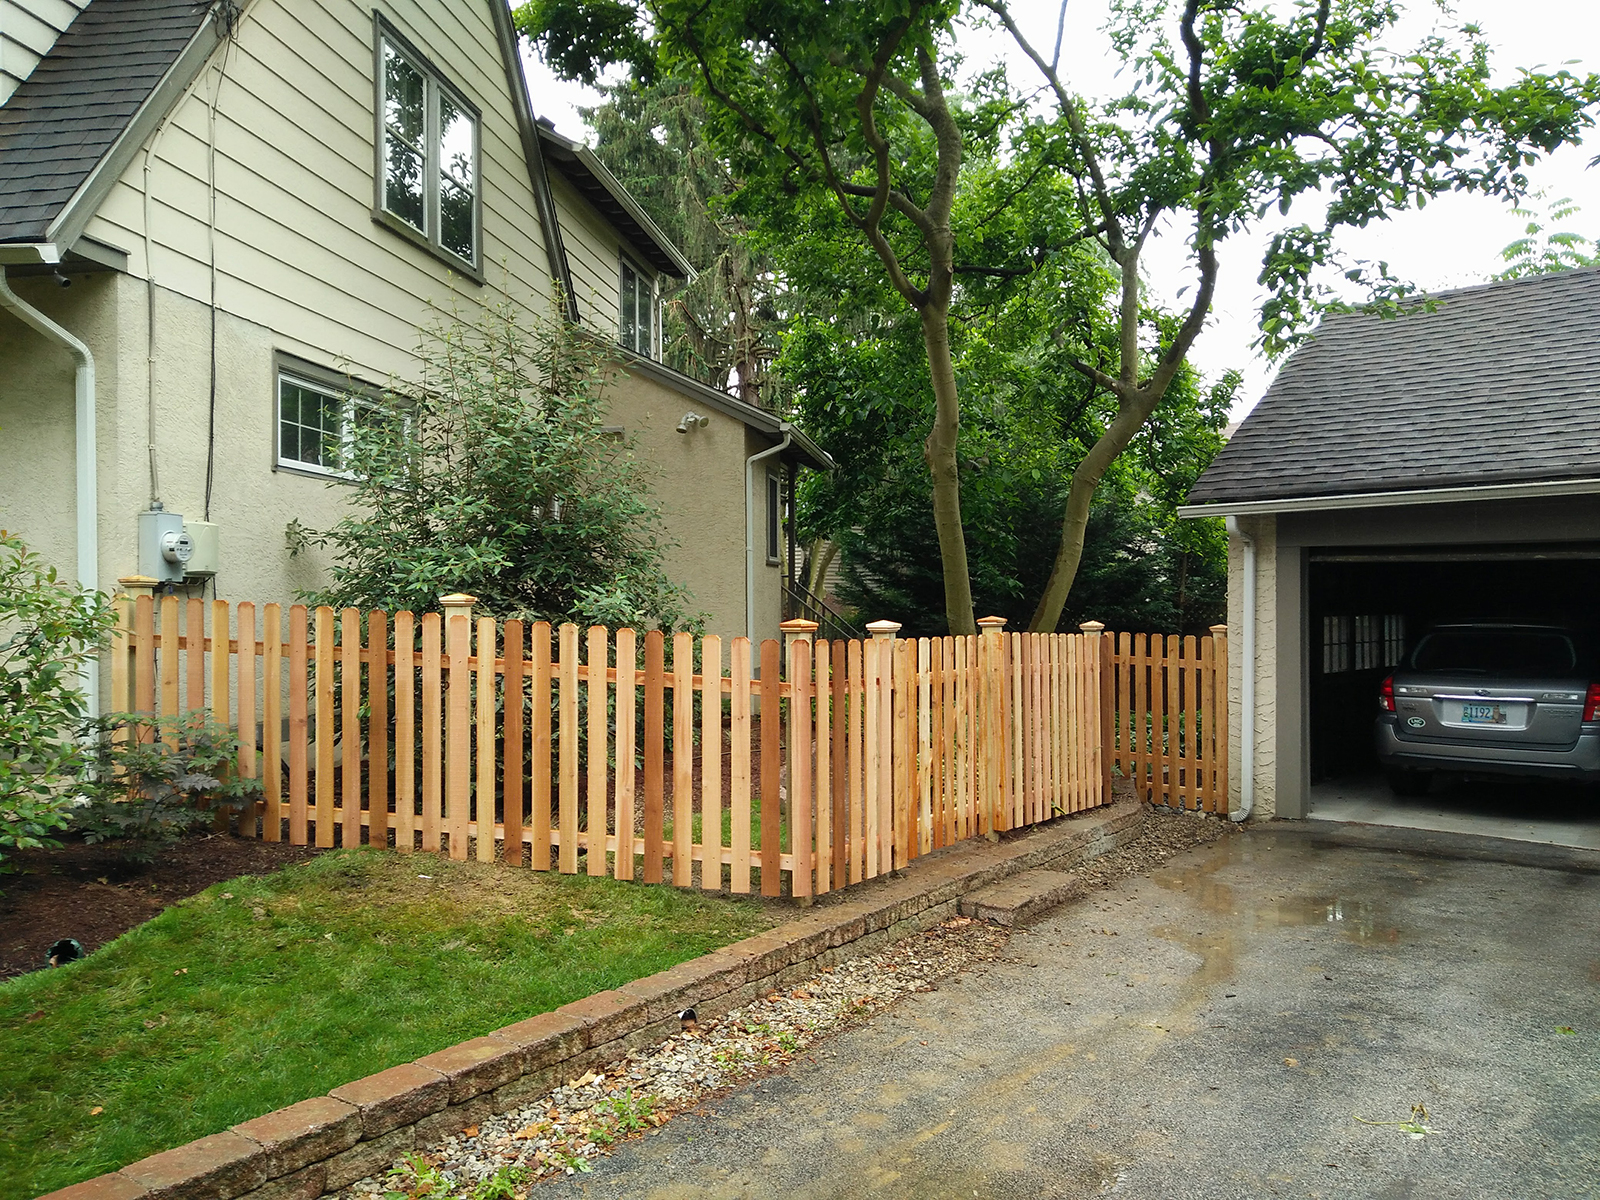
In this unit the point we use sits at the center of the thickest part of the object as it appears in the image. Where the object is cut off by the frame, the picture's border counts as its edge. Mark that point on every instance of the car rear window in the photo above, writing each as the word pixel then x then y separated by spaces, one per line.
pixel 1496 652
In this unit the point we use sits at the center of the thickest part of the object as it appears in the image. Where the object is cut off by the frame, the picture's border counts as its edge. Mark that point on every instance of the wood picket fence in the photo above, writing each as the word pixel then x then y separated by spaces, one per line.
pixel 1170 700
pixel 798 766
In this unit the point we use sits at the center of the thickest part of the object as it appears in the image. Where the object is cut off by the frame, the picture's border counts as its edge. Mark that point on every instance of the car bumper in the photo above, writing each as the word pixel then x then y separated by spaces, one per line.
pixel 1581 760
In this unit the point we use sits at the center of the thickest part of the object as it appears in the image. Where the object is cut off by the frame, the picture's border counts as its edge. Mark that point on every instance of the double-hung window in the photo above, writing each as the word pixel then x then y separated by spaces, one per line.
pixel 427 138
pixel 636 322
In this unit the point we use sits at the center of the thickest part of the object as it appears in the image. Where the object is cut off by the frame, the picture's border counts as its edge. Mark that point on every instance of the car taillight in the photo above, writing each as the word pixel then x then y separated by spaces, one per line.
pixel 1386 695
pixel 1591 703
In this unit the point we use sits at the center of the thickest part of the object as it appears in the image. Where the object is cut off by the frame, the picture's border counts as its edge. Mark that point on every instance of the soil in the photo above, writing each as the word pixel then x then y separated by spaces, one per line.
pixel 88 893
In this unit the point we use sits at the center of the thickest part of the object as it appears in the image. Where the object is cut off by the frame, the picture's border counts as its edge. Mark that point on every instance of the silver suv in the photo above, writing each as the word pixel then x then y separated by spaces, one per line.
pixel 1490 699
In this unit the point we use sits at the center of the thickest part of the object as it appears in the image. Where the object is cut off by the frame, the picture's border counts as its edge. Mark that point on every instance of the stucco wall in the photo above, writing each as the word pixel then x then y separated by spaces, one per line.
pixel 698 478
pixel 1264 531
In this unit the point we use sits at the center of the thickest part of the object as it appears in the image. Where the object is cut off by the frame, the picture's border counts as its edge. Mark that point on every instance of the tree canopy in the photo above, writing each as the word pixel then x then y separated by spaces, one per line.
pixel 1234 110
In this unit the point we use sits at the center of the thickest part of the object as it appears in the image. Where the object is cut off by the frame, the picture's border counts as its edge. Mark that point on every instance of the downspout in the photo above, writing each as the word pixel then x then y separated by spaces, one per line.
pixel 1247 678
pixel 750 527
pixel 88 499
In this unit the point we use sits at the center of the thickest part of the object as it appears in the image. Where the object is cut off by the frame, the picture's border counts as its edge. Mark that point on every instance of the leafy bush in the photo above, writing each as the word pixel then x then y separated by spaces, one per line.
pixel 164 777
pixel 49 627
pixel 499 478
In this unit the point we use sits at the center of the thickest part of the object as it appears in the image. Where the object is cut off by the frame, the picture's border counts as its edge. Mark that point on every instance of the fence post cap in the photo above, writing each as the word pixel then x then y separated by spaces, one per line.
pixel 991 624
pixel 457 600
pixel 883 629
pixel 1092 626
pixel 1220 630
pixel 800 626
pixel 137 583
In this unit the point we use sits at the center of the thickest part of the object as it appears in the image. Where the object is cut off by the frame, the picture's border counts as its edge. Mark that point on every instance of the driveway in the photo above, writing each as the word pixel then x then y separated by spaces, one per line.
pixel 1214 1029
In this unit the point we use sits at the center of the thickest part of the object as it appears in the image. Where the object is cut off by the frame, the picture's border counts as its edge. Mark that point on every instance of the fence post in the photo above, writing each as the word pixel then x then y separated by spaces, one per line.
pixel 1100 655
pixel 993 743
pixel 124 649
pixel 879 679
pixel 1217 720
pixel 457 714
pixel 797 773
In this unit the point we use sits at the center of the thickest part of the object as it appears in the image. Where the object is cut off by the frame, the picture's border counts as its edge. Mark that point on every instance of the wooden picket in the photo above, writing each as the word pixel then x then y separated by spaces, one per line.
pixel 798 768
pixel 1169 717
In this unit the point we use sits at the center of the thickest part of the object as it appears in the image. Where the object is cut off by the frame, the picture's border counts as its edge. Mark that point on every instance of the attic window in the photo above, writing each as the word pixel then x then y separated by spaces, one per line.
pixel 636 322
pixel 427 168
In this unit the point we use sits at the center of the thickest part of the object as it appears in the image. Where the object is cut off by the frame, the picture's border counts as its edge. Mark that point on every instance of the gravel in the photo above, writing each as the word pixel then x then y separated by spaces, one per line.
pixel 562 1133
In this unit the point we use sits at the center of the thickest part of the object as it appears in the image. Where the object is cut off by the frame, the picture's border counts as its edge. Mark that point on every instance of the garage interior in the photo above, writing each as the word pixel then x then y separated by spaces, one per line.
pixel 1367 606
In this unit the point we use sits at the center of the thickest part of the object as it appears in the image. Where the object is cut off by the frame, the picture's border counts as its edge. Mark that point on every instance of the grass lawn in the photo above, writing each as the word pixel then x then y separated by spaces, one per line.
pixel 266 990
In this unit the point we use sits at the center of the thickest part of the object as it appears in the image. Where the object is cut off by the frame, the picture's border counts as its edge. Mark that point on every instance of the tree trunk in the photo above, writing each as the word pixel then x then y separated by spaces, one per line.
pixel 1131 414
pixel 823 552
pixel 939 451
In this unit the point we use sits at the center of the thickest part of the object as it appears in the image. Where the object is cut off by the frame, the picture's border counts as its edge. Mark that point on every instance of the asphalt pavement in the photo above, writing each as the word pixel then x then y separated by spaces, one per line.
pixel 1391 1014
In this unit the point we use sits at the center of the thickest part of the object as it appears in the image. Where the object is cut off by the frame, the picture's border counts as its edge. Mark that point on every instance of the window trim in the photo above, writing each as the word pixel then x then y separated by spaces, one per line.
pixel 318 378
pixel 384 30
pixel 626 262
pixel 774 519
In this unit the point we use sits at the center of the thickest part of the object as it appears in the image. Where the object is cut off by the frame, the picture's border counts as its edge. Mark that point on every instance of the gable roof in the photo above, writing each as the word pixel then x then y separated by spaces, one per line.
pixel 80 100
pixel 1498 386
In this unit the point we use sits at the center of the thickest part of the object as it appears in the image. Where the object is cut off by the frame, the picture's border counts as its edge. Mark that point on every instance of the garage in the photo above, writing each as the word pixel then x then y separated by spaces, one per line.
pixel 1441 468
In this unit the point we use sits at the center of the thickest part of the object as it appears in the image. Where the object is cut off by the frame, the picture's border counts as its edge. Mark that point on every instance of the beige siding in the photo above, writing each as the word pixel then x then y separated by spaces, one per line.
pixel 28 28
pixel 296 248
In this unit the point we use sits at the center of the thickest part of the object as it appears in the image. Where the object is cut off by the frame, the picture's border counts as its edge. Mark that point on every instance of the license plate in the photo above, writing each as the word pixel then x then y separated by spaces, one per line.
pixel 1482 714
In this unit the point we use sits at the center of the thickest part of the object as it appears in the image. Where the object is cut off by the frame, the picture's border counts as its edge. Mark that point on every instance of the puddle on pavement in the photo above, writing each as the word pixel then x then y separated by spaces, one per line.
pixel 1360 920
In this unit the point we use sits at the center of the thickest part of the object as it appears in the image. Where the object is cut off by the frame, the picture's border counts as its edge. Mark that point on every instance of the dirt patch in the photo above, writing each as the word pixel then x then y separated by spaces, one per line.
pixel 86 892
pixel 1164 833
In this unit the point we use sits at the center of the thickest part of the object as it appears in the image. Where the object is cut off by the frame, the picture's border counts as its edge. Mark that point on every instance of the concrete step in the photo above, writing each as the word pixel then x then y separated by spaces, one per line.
pixel 1022 898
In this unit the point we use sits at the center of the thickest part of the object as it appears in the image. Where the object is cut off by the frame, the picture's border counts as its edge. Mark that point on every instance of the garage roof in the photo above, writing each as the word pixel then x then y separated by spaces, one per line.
pixel 1497 385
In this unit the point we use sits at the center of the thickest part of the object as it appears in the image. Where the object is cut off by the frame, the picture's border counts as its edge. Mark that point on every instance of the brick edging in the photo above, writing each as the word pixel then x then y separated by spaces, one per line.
pixel 320 1145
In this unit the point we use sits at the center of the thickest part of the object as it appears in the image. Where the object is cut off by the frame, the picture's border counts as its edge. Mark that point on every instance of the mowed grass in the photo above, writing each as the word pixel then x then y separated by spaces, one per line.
pixel 263 991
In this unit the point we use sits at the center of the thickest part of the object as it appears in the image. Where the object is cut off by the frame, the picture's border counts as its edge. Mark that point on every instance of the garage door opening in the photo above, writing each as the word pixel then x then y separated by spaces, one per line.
pixel 1367 608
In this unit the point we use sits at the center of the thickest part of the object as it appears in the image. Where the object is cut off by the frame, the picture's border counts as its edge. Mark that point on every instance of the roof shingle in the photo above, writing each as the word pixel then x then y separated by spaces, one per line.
pixel 1499 384
pixel 64 117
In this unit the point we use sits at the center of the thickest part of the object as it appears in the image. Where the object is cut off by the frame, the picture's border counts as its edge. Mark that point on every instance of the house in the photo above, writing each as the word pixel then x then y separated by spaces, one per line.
pixel 219 221
pixel 1441 465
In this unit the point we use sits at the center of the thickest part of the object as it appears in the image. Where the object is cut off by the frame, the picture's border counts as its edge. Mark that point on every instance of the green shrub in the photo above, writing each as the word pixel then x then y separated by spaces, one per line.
pixel 49 628
pixel 163 778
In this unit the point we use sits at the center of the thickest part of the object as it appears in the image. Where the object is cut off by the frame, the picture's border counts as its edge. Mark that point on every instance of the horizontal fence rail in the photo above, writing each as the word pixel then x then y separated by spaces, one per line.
pixel 798 766
pixel 1170 706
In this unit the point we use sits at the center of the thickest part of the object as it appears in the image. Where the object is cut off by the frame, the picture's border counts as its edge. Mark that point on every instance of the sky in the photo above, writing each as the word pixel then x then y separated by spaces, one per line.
pixel 1455 241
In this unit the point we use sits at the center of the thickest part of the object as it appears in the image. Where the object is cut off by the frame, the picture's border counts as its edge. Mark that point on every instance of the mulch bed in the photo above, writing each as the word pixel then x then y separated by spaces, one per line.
pixel 87 892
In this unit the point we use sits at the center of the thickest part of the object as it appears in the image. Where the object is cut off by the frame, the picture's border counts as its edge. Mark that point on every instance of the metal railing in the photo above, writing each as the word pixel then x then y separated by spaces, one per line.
pixel 800 602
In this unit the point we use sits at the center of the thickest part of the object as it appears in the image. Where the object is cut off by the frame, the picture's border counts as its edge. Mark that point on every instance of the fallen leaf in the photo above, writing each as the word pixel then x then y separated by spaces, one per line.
pixel 96 1111
pixel 1291 1062
pixel 1565 1029
pixel 35 1015
pixel 470 1131
pixel 181 971
pixel 800 994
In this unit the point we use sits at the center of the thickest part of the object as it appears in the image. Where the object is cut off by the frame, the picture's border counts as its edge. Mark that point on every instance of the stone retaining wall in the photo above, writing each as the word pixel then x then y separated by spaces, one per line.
pixel 321 1145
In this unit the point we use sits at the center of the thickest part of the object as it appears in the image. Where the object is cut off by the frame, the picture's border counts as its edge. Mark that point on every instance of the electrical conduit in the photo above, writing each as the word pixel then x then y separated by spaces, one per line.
pixel 88 488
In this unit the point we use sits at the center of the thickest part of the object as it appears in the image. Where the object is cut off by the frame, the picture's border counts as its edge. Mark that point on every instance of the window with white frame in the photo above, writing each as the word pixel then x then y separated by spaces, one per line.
pixel 637 320
pixel 317 422
pixel 427 139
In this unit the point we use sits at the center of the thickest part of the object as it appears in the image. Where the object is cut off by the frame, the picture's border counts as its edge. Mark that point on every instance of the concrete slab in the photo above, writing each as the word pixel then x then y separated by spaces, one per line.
pixel 1022 899
pixel 1525 811
pixel 1261 1017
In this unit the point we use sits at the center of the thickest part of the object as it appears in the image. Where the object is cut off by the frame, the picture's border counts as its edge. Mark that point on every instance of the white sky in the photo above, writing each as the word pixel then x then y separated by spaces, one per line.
pixel 1454 241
